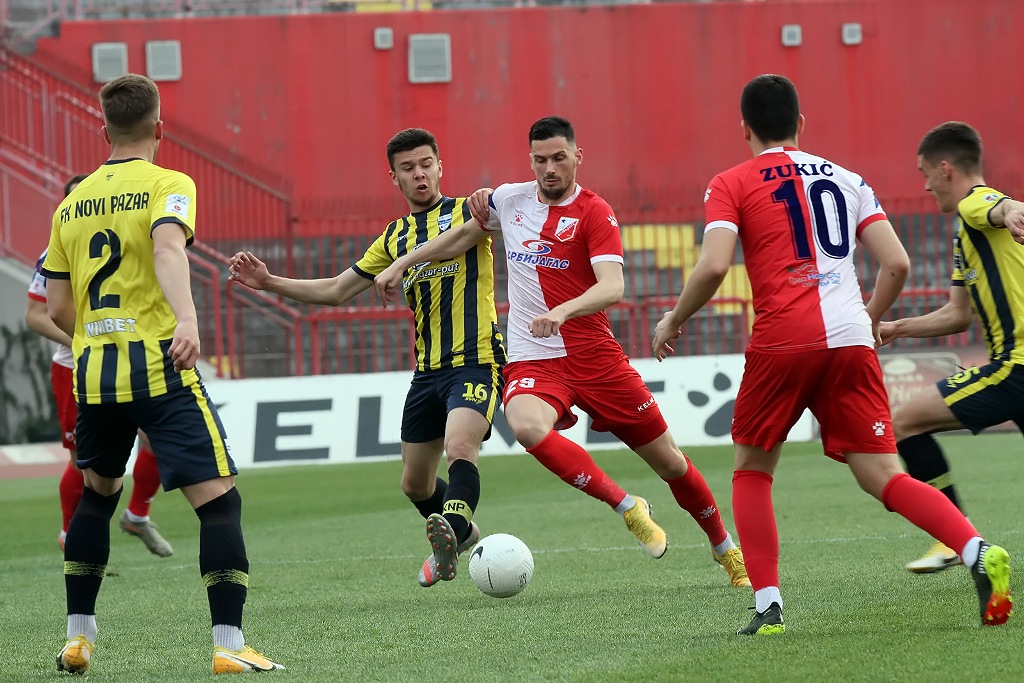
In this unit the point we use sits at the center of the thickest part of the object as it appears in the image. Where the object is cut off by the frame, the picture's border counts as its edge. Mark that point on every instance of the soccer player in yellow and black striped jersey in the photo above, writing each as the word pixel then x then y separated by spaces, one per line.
pixel 987 285
pixel 118 285
pixel 459 352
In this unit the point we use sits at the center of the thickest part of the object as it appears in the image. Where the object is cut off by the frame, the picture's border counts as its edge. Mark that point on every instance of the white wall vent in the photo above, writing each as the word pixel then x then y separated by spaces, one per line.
pixel 430 58
pixel 163 60
pixel 383 38
pixel 109 60
pixel 792 35
pixel 852 34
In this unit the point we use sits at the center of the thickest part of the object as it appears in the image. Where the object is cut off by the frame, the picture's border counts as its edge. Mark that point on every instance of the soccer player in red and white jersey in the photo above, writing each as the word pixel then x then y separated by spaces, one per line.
pixel 798 218
pixel 135 520
pixel 564 255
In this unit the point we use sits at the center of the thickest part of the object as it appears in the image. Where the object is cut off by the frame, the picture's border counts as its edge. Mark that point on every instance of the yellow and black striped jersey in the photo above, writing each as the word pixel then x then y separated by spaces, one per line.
pixel 453 300
pixel 990 264
pixel 101 239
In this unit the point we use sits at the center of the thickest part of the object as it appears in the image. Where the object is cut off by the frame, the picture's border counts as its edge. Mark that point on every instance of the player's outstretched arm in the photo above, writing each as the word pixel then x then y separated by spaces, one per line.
pixel 448 244
pixel 705 279
pixel 1009 213
pixel 248 270
pixel 37 319
pixel 172 274
pixel 954 317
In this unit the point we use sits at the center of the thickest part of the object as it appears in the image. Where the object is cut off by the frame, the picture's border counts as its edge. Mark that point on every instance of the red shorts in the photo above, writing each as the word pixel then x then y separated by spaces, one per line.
pixel 67 412
pixel 609 389
pixel 842 387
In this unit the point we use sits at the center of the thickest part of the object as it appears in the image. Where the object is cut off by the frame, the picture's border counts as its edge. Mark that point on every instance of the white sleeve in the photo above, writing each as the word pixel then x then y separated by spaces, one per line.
pixel 498 197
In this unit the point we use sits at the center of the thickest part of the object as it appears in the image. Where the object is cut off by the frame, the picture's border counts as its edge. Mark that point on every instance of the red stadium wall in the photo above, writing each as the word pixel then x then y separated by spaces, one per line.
pixel 652 89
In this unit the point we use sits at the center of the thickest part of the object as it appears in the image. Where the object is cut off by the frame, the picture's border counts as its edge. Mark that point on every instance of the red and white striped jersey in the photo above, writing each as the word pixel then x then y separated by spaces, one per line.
pixel 37 290
pixel 550 252
pixel 798 217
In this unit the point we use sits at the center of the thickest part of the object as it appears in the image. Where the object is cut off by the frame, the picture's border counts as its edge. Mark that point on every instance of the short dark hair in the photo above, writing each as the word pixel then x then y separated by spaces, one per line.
pixel 770 106
pixel 955 142
pixel 131 106
pixel 552 127
pixel 407 140
pixel 70 185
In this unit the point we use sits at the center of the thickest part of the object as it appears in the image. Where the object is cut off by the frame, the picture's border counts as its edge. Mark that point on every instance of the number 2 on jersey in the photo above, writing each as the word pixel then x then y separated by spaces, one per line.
pixel 107 238
pixel 825 237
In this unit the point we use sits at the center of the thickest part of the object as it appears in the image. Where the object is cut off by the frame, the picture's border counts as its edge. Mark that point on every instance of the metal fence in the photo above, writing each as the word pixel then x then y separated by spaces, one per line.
pixel 49 132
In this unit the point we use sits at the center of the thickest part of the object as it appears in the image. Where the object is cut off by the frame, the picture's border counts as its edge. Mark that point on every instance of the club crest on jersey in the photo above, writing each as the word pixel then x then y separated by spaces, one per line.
pixel 566 229
pixel 444 222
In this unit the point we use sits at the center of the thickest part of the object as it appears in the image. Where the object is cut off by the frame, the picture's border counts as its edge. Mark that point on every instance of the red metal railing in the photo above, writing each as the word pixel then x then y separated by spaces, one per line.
pixel 48 132
pixel 56 123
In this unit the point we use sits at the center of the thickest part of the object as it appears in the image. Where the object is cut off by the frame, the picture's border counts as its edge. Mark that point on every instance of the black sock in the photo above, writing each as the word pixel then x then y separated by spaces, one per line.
pixel 462 497
pixel 925 462
pixel 222 560
pixel 434 504
pixel 87 549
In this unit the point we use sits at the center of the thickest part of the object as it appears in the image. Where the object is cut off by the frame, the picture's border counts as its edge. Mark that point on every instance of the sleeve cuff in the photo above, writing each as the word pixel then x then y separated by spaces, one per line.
pixel 52 275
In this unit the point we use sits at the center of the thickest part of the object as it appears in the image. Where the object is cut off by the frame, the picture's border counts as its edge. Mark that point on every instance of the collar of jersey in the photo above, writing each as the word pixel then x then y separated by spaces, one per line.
pixel 776 150
pixel 429 208
pixel 109 162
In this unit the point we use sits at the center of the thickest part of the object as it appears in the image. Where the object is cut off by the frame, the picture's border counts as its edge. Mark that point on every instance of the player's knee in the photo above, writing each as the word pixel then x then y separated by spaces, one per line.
pixel 417 490
pixel 906 424
pixel 529 433
pixel 670 466
pixel 461 449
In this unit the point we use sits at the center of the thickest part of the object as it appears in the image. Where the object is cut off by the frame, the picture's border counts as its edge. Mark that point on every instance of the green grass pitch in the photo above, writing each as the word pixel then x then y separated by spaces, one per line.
pixel 334 552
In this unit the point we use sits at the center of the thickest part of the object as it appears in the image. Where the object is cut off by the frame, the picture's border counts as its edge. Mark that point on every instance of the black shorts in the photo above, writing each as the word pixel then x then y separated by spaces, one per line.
pixel 985 396
pixel 435 393
pixel 182 425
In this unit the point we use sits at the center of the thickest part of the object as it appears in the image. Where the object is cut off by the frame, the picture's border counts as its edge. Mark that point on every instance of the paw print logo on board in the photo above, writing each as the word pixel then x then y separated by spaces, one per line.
pixel 719 423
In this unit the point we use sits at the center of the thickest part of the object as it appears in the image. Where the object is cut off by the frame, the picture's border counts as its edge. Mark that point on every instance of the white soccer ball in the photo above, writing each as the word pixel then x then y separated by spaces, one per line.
pixel 501 565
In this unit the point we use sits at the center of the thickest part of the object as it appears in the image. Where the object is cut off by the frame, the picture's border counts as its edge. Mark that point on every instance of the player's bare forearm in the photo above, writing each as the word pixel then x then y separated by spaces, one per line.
pixel 37 319
pixel 323 291
pixel 704 281
pixel 449 244
pixel 600 296
pixel 884 245
pixel 950 319
pixel 172 274
pixel 888 286
pixel 60 305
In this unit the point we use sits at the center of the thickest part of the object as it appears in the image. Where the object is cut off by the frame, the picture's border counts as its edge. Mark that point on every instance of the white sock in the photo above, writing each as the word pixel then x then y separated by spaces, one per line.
pixel 135 518
pixel 970 552
pixel 764 598
pixel 82 625
pixel 627 502
pixel 725 546
pixel 229 637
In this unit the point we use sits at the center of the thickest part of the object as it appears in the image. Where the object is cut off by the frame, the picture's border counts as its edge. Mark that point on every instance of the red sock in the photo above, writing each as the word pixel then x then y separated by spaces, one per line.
pixel 755 523
pixel 694 496
pixel 928 509
pixel 573 465
pixel 71 484
pixel 146 482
